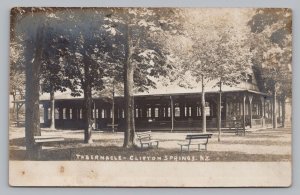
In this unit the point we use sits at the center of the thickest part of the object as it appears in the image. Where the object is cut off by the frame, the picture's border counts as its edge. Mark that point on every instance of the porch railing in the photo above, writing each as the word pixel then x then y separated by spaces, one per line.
pixel 257 122
pixel 268 121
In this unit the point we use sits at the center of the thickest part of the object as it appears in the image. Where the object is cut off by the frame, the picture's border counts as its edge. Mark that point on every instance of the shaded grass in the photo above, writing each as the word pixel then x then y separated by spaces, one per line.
pixel 110 146
pixel 127 154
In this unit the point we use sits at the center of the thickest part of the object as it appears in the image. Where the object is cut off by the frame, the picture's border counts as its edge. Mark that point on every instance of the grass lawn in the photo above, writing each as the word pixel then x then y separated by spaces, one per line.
pixel 260 145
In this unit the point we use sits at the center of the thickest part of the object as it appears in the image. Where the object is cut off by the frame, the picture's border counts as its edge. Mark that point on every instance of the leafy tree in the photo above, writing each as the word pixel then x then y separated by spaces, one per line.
pixel 33 46
pixel 142 55
pixel 232 64
pixel 29 25
pixel 52 69
pixel 87 58
pixel 272 32
pixel 16 74
pixel 211 50
pixel 17 82
pixel 113 85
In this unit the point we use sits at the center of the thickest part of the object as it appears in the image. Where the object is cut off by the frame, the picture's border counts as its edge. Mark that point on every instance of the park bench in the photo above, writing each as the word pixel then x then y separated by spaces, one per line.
pixel 146 139
pixel 195 139
pixel 18 123
pixel 113 127
pixel 48 139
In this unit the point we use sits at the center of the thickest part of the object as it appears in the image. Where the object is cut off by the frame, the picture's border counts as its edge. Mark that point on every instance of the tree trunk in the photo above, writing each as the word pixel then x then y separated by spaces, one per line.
pixel 88 114
pixel 283 110
pixel 113 108
pixel 219 116
pixel 128 95
pixel 32 113
pixel 94 126
pixel 274 107
pixel 87 91
pixel 14 105
pixel 52 109
pixel 172 113
pixel 203 107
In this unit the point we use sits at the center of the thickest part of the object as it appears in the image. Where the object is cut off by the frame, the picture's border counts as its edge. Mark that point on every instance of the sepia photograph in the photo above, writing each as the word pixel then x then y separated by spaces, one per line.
pixel 150 97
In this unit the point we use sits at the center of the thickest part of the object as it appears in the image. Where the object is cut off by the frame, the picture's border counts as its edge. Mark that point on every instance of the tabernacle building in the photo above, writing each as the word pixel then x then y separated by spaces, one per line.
pixel 170 108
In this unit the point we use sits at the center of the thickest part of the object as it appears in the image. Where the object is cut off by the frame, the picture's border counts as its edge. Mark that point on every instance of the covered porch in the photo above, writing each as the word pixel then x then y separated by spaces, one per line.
pixel 167 112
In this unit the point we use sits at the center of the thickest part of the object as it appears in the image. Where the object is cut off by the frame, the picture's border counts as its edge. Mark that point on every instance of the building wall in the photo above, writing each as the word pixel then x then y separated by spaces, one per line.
pixel 154 112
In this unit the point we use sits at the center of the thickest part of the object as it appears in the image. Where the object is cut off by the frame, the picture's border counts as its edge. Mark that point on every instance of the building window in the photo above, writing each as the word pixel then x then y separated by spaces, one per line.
pixel 246 110
pixel 70 114
pixel 188 111
pixel 198 111
pixel 177 111
pixel 156 112
pixel 49 113
pixel 149 112
pixel 137 113
pixel 140 113
pixel 56 114
pixel 64 113
pixel 102 113
pixel 207 110
pixel 80 113
pixel 110 113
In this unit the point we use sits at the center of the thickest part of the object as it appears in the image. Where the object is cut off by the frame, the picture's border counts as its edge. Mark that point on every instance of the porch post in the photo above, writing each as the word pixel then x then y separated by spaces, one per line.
pixel 244 111
pixel 160 112
pixel 271 107
pixel 144 111
pixel 45 114
pixel 226 110
pixel 108 114
pixel 240 109
pixel 17 113
pixel 60 113
pixel 172 114
pixel 250 97
pixel 274 109
pixel 152 111
pixel 279 110
pixel 68 113
pixel 78 110
pixel 94 110
pixel 262 99
pixel 166 111
pixel 193 111
pixel 95 116
pixel 74 113
pixel 182 108
pixel 264 113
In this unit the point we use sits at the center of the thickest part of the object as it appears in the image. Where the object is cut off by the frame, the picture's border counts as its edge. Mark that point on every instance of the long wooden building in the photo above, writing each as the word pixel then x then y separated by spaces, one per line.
pixel 170 108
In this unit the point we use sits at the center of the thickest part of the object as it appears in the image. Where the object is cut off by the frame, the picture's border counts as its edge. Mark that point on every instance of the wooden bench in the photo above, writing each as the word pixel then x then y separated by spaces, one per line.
pixel 48 139
pixel 195 139
pixel 146 139
pixel 18 123
pixel 114 127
